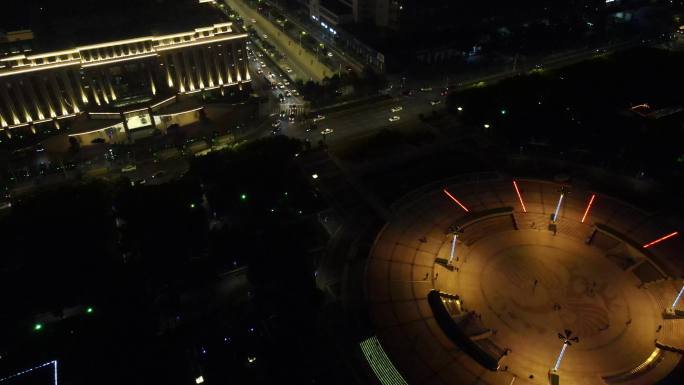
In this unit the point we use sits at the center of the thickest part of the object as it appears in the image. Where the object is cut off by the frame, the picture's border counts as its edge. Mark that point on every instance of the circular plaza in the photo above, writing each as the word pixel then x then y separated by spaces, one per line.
pixel 529 282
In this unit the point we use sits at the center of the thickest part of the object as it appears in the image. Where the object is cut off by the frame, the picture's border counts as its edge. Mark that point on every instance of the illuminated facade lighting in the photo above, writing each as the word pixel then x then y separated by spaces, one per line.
pixel 453 198
pixel 72 78
pixel 517 191
pixel 668 236
pixel 586 212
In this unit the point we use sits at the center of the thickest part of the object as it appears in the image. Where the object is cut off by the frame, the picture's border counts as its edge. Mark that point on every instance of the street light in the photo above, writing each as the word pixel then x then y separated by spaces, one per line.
pixel 300 37
pixel 567 339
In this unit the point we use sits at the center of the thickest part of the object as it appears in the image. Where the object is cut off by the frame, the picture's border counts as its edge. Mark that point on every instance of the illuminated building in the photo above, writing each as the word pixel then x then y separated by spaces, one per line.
pixel 116 80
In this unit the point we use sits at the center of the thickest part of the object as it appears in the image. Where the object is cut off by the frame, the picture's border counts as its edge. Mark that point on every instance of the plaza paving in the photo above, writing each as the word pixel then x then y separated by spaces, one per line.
pixel 525 286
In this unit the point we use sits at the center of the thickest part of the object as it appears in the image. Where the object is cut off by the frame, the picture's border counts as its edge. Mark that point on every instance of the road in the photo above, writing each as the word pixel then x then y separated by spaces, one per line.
pixel 302 59
pixel 321 36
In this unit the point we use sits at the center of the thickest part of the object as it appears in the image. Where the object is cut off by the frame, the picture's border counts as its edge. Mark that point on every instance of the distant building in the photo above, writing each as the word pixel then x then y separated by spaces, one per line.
pixel 107 81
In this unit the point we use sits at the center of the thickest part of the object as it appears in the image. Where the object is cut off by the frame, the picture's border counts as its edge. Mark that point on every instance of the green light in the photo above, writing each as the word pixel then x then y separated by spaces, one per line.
pixel 38 327
pixel 503 112
pixel 89 310
pixel 192 205
pixel 243 197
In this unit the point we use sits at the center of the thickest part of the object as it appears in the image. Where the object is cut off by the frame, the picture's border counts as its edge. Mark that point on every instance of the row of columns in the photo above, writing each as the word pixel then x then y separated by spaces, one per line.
pixel 212 67
pixel 57 93
pixel 40 97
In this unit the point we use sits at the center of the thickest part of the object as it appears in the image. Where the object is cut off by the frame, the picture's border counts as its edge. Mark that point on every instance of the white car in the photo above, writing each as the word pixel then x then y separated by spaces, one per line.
pixel 330 54
pixel 318 118
pixel 129 168
pixel 397 108
pixel 435 102
pixel 288 69
pixel 426 89
pixel 394 118
pixel 327 131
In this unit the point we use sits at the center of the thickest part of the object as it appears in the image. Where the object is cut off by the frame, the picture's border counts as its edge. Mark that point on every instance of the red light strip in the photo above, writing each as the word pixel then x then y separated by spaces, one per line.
pixel 453 198
pixel 661 239
pixel 591 202
pixel 519 197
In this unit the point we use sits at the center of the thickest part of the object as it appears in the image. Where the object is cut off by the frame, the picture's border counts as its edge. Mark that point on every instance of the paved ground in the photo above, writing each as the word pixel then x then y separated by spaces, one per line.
pixel 527 285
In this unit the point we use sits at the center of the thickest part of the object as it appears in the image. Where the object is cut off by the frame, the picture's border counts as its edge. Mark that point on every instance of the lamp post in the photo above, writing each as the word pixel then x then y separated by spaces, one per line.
pixel 300 38
pixel 453 248
pixel 568 340
pixel 671 312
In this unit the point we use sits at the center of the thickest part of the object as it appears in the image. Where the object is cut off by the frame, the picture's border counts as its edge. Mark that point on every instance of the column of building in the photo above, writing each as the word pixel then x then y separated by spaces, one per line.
pixel 188 70
pixel 42 88
pixel 16 87
pixel 9 103
pixel 58 93
pixel 207 65
pixel 28 84
pixel 198 68
pixel 64 75
pixel 226 62
pixel 179 71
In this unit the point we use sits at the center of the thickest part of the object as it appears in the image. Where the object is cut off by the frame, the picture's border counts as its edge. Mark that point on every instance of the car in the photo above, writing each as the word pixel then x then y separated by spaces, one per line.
pixel 330 54
pixel 260 72
pixel 426 89
pixel 275 131
pixel 281 86
pixel 295 92
pixel 292 117
pixel 394 118
pixel 276 124
pixel 397 108
pixel 253 20
pixel 287 83
pixel 327 131
pixel 288 93
pixel 288 69
pixel 265 36
pixel 318 118
pixel 129 168
pixel 5 205
pixel 435 102
pixel 282 114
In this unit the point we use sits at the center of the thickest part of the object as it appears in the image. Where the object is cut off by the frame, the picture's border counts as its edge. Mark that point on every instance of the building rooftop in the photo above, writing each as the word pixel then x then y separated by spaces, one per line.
pixel 63 24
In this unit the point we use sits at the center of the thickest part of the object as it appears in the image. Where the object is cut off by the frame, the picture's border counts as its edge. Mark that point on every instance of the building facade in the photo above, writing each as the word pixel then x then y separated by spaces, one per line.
pixel 127 78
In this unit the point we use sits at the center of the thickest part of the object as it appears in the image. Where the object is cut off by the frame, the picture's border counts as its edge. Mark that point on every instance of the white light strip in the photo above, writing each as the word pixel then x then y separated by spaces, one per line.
pixel 94 131
pixel 162 102
pixel 93 64
pixel 132 111
pixel 453 248
pixel 40 68
pixel 180 113
pixel 560 357
pixel 560 200
pixel 199 42
pixel 679 296
pixel 54 363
